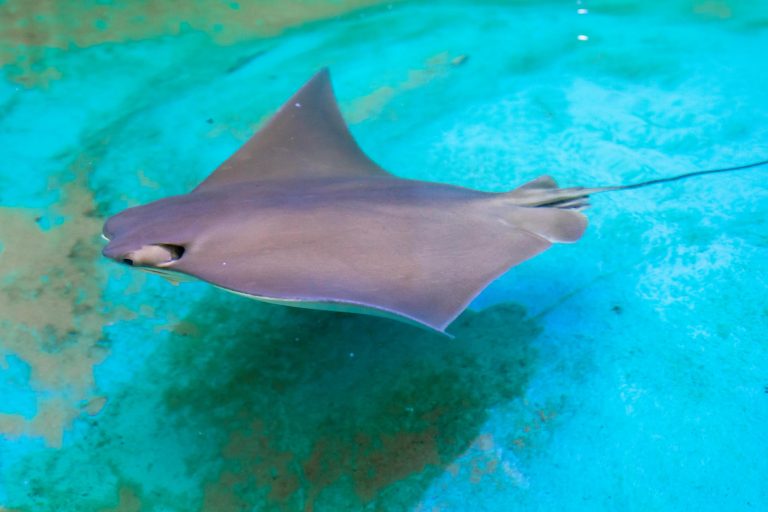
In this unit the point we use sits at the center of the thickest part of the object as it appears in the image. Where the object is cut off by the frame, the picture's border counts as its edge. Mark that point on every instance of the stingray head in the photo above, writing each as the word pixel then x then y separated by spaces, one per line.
pixel 142 237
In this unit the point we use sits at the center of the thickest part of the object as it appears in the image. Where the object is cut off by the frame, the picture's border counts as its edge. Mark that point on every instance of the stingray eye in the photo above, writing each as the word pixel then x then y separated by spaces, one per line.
pixel 173 253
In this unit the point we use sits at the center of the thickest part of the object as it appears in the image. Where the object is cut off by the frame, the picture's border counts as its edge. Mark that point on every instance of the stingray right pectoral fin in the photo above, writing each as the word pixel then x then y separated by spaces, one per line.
pixel 306 138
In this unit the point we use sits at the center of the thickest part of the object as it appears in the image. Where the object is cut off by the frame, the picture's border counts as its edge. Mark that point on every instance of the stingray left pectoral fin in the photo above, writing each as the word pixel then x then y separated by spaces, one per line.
pixel 306 138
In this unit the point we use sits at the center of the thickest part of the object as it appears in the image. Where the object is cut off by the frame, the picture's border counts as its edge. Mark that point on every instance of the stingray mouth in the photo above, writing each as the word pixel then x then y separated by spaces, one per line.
pixel 155 255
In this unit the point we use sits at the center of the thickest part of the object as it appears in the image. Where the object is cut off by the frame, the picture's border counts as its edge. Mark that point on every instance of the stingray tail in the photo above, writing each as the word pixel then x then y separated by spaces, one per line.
pixel 686 176
pixel 543 192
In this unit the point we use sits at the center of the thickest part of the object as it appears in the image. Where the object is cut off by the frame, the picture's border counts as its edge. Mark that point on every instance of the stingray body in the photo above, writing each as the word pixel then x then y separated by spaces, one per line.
pixel 301 216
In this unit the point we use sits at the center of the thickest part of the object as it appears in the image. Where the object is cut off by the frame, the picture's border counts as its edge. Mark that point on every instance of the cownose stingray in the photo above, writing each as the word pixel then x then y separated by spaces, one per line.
pixel 301 216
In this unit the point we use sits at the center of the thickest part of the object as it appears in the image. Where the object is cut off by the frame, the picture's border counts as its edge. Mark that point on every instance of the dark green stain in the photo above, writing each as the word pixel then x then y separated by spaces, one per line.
pixel 247 406
pixel 321 410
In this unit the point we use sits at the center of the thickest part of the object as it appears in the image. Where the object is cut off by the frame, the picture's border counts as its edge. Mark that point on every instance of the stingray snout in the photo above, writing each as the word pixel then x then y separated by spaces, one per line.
pixel 154 255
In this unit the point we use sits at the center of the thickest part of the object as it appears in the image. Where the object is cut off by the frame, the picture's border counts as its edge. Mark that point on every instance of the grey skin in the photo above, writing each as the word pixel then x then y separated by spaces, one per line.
pixel 301 216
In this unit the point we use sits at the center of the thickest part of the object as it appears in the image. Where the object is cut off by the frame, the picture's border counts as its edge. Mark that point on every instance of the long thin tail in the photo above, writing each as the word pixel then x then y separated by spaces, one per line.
pixel 543 191
pixel 684 176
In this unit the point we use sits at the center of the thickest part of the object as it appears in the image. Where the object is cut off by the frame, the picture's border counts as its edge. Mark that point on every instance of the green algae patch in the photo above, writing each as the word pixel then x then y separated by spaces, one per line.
pixel 128 501
pixel 32 31
pixel 372 104
pixel 50 308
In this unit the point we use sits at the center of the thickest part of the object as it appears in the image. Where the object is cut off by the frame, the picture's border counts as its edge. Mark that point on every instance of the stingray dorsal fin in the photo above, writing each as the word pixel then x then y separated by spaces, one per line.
pixel 306 138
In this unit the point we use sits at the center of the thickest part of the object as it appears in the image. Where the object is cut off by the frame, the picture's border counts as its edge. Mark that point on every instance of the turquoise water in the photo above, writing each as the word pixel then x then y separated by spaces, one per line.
pixel 625 372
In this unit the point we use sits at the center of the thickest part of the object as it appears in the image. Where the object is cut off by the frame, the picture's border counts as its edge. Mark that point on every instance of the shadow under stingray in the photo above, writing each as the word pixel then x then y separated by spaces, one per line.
pixel 321 411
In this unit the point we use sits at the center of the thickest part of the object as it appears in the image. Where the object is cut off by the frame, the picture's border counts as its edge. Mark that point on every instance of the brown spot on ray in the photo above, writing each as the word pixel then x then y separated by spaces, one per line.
pixel 302 216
